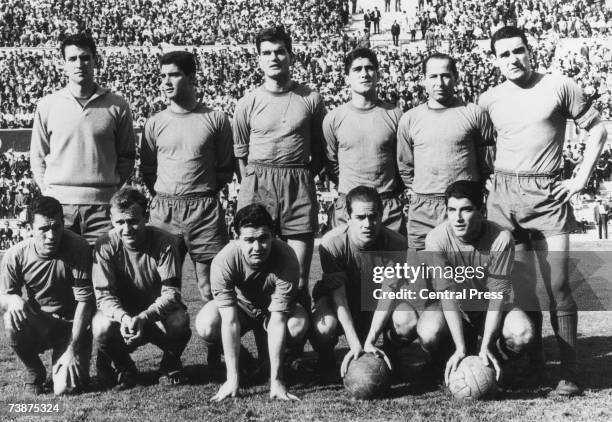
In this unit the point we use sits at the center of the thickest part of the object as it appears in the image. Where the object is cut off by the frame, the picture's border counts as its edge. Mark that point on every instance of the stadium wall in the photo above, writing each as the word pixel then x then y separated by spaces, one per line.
pixel 18 140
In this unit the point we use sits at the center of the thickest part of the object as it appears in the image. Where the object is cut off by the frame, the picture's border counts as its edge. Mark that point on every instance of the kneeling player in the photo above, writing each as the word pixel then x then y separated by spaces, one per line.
pixel 254 283
pixel 137 280
pixel 54 266
pixel 467 240
pixel 346 255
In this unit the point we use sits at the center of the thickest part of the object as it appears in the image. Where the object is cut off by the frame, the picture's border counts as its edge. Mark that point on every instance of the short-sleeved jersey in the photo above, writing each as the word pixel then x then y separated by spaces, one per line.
pixel 344 264
pixel 530 122
pixel 271 288
pixel 137 280
pixel 183 152
pixel 493 251
pixel 360 146
pixel 279 128
pixel 53 283
pixel 436 147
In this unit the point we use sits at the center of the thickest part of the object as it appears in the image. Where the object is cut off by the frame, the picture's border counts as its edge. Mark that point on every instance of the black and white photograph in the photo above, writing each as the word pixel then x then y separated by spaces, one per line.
pixel 306 210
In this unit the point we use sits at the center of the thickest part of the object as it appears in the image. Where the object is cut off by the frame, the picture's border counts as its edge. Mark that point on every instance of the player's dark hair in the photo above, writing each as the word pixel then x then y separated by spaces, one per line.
pixel 254 215
pixel 452 63
pixel 465 189
pixel 46 206
pixel 273 34
pixel 507 32
pixel 359 53
pixel 127 197
pixel 364 194
pixel 80 40
pixel 184 60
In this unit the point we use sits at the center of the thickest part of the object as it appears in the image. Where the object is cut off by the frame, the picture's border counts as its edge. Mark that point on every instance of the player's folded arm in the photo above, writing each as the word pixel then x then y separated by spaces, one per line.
pixel 168 301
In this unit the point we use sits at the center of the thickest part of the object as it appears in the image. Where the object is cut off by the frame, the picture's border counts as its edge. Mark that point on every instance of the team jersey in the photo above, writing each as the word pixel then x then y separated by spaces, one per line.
pixel 131 281
pixel 271 288
pixel 493 251
pixel 279 128
pixel 344 264
pixel 436 147
pixel 187 152
pixel 360 146
pixel 53 283
pixel 530 122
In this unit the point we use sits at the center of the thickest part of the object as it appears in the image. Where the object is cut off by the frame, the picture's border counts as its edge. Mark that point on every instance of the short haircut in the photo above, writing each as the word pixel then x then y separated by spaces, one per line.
pixel 254 215
pixel 80 40
pixel 46 206
pixel 127 197
pixel 507 32
pixel 359 53
pixel 465 189
pixel 441 56
pixel 364 194
pixel 184 60
pixel 273 34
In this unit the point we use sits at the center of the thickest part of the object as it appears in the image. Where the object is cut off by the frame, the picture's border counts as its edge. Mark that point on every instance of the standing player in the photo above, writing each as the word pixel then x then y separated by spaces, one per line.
pixel 137 279
pixel 360 142
pixel 254 282
pixel 348 253
pixel 186 158
pixel 468 241
pixel 54 266
pixel 529 112
pixel 278 141
pixel 82 147
pixel 439 142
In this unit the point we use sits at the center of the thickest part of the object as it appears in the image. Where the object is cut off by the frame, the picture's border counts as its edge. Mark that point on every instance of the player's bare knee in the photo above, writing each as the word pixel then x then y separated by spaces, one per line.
pixel 101 327
pixel 208 323
pixel 325 330
pixel 298 323
pixel 430 330
pixel 404 321
pixel 518 330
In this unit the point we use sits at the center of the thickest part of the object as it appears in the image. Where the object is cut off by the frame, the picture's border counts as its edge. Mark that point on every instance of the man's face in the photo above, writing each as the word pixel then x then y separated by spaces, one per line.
pixel 364 223
pixel 130 224
pixel 465 219
pixel 255 244
pixel 174 83
pixel 513 58
pixel 47 233
pixel 363 76
pixel 440 81
pixel 274 59
pixel 79 64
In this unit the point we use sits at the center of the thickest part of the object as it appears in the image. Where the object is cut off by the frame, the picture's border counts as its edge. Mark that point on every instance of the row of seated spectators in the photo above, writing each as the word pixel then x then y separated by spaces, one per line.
pixel 226 74
pixel 179 22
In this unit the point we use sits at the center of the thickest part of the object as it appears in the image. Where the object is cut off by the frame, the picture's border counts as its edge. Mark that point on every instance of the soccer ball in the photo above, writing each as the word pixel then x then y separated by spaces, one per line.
pixel 367 377
pixel 472 380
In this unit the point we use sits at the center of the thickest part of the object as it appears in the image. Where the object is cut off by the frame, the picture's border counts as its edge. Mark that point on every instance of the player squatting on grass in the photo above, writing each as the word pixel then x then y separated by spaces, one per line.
pixel 137 279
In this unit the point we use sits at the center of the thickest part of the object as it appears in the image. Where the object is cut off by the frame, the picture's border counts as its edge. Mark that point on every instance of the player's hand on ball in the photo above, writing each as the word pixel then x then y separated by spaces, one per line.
pixel 489 359
pixel 370 348
pixel 352 354
pixel 279 391
pixel 565 189
pixel 452 364
pixel 18 310
pixel 228 389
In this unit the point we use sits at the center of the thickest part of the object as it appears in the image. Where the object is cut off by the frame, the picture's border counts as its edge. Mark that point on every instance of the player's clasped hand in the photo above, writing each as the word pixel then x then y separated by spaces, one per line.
pixel 452 364
pixel 18 311
pixel 228 389
pixel 131 328
pixel 488 359
pixel 279 391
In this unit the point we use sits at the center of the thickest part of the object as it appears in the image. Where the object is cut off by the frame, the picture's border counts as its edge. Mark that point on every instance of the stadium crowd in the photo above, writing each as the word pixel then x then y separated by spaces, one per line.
pixel 226 74
pixel 178 22
pixel 480 19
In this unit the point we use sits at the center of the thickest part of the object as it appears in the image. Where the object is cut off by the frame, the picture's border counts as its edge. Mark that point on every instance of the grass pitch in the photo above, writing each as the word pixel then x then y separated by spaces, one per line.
pixel 149 401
